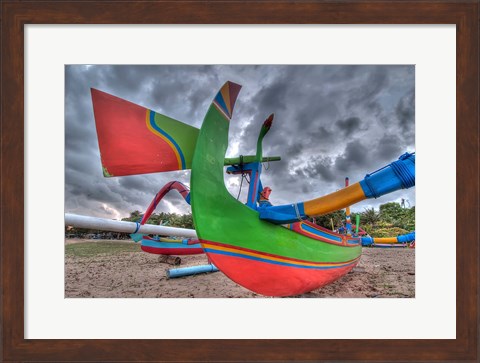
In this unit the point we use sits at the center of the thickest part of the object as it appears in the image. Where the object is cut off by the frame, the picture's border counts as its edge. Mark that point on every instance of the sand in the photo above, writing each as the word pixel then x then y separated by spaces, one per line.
pixel 381 273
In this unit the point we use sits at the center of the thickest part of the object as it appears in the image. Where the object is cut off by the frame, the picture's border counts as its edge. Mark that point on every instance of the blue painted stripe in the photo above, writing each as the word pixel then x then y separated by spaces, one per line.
pixel 301 208
pixel 220 101
pixel 274 262
pixel 353 242
pixel 282 214
pixel 138 227
pixel 317 232
pixel 173 245
pixel 155 127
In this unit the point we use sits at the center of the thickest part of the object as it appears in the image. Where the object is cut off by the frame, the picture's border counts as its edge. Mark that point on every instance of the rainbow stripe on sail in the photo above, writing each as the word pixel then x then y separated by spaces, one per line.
pixel 225 99
pixel 155 129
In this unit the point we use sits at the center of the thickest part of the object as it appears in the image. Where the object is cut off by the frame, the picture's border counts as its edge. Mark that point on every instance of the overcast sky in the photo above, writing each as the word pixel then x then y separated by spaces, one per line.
pixel 330 122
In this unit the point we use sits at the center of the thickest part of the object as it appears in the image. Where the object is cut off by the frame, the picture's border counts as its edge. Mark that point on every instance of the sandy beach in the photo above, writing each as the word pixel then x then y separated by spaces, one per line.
pixel 119 269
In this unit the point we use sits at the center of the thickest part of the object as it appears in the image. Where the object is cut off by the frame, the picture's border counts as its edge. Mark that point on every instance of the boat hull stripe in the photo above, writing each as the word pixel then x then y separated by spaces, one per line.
pixel 279 262
pixel 214 247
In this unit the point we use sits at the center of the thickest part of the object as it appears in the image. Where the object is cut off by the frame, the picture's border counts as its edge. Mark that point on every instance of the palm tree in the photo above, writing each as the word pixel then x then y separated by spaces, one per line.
pixel 370 216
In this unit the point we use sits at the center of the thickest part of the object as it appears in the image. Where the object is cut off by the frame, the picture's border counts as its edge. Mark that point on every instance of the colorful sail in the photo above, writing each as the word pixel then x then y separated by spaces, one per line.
pixel 136 140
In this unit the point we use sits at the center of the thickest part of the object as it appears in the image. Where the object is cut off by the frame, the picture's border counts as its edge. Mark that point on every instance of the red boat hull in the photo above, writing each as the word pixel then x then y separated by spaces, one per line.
pixel 271 277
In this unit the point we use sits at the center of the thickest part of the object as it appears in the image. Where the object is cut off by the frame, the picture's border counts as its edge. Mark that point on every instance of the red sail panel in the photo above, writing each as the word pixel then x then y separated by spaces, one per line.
pixel 128 143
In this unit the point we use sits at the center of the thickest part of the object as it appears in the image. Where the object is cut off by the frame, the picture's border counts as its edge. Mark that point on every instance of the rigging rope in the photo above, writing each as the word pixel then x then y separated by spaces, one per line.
pixel 267 166
pixel 241 183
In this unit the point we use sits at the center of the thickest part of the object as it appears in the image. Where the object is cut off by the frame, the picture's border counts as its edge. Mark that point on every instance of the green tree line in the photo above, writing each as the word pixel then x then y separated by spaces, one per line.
pixel 164 219
pixel 390 220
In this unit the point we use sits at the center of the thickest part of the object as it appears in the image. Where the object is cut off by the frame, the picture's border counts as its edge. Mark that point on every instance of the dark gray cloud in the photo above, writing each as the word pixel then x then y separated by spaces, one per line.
pixel 349 125
pixel 389 147
pixel 405 112
pixel 356 155
pixel 318 168
pixel 330 122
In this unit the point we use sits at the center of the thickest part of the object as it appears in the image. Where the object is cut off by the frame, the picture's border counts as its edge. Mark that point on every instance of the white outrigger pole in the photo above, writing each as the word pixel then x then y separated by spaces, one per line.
pixel 111 225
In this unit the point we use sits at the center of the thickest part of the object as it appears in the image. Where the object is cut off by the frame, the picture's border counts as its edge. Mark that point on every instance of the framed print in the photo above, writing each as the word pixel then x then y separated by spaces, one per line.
pixel 437 65
pixel 39 39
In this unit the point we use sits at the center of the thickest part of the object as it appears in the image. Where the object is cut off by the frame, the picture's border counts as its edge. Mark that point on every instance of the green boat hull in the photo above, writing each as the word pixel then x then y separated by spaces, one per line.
pixel 268 259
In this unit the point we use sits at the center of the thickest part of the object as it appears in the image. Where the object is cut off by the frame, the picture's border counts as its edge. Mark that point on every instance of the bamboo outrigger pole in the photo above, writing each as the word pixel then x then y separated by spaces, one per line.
pixel 125 227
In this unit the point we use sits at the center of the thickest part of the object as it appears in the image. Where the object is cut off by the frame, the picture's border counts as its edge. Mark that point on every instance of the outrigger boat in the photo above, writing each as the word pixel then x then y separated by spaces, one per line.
pixel 271 250
pixel 161 245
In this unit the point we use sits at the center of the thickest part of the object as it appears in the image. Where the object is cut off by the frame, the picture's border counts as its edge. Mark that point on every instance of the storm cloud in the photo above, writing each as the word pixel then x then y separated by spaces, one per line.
pixel 331 122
